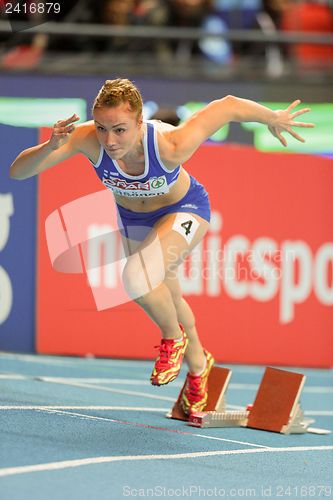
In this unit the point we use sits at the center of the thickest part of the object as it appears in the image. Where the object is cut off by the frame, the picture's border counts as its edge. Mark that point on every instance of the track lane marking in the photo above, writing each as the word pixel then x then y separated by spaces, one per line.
pixel 108 389
pixel 97 408
pixel 25 469
pixel 313 413
pixel 153 427
pixel 124 381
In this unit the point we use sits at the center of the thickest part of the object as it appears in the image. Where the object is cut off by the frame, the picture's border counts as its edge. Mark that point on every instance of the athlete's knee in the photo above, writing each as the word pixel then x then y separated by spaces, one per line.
pixel 174 288
pixel 134 278
pixel 141 275
pixel 177 298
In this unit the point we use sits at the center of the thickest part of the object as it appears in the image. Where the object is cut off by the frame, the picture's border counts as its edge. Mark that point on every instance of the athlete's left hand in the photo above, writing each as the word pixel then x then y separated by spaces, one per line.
pixel 284 121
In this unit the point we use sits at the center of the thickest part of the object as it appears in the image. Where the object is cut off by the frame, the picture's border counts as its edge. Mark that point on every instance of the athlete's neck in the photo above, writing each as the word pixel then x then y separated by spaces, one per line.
pixel 135 155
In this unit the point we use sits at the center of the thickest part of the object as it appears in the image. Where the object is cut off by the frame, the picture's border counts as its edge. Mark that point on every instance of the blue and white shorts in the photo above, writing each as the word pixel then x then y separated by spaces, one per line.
pixel 136 225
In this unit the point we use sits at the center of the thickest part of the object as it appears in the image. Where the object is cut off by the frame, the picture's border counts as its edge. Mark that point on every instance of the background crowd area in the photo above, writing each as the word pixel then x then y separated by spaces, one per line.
pixel 217 16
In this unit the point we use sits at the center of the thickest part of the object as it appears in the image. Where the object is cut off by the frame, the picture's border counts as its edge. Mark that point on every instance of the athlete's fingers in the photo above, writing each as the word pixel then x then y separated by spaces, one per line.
pixel 70 128
pixel 302 124
pixel 68 121
pixel 62 130
pixel 73 118
pixel 300 112
pixel 293 104
pixel 61 135
pixel 297 136
pixel 281 139
pixel 272 131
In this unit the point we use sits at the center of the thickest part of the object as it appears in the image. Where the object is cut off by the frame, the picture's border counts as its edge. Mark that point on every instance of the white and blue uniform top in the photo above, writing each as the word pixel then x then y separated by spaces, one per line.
pixel 154 181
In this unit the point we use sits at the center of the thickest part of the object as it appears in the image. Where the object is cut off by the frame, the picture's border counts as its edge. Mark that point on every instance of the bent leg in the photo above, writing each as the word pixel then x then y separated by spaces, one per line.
pixel 194 356
pixel 156 257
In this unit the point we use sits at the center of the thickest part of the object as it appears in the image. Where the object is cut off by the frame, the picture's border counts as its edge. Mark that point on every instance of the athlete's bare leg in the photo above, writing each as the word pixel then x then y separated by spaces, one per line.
pixel 150 277
pixel 194 353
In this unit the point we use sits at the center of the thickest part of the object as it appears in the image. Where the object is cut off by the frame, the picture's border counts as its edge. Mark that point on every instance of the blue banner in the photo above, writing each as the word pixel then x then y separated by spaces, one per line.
pixel 17 245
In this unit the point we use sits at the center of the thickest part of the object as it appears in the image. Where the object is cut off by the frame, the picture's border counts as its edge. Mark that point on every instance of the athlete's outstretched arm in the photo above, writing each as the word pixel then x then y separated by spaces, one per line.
pixel 62 145
pixel 179 144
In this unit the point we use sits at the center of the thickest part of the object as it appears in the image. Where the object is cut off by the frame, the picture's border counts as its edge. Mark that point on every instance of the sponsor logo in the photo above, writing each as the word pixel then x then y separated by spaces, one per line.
pixel 189 205
pixel 151 187
pixel 157 182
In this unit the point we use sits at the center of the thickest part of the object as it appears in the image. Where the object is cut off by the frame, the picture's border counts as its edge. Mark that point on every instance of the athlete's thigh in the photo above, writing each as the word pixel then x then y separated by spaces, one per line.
pixel 184 229
pixel 130 246
pixel 172 239
pixel 166 246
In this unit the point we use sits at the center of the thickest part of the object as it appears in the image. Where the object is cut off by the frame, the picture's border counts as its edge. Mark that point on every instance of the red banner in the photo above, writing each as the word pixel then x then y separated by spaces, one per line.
pixel 260 284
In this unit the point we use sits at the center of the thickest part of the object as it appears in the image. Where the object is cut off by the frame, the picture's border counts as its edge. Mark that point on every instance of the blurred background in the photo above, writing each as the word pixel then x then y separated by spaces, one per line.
pixel 206 39
pixel 54 56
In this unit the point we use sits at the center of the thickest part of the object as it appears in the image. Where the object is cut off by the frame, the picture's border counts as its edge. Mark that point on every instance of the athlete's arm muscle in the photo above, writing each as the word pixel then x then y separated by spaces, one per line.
pixel 178 145
pixel 65 142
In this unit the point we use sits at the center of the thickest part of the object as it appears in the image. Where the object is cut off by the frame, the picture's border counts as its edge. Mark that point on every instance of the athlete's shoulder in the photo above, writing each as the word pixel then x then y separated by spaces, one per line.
pixel 160 126
pixel 85 140
pixel 164 144
pixel 84 129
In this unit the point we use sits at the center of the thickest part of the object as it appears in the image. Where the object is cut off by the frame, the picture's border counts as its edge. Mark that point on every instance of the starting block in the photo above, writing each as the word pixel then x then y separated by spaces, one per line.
pixel 218 381
pixel 215 414
pixel 276 407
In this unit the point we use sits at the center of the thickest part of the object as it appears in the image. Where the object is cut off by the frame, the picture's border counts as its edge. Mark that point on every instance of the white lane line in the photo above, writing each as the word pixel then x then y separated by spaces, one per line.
pixel 92 408
pixel 318 390
pixel 102 362
pixel 75 362
pixel 119 391
pixel 144 382
pixel 57 410
pixel 13 377
pixel 306 389
pixel 73 382
pixel 231 441
pixel 319 413
pixel 25 469
pixel 313 413
pixel 147 426
pixel 89 380
pixel 107 389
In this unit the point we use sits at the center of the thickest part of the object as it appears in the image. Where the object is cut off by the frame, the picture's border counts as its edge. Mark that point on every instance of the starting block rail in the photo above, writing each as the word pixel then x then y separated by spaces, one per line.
pixel 219 419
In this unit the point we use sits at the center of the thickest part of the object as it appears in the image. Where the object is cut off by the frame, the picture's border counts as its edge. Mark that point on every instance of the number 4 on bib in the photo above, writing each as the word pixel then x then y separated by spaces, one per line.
pixel 187 226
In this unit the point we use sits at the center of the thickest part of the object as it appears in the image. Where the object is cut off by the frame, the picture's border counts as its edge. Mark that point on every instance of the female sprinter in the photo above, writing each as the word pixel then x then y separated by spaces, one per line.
pixel 164 211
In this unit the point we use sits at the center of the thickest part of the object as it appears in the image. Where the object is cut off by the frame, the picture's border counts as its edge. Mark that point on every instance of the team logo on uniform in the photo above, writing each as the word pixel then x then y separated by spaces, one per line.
pixel 157 182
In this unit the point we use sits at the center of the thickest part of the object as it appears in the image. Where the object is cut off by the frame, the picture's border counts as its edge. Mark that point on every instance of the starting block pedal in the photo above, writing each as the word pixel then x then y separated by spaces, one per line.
pixel 218 381
pixel 276 407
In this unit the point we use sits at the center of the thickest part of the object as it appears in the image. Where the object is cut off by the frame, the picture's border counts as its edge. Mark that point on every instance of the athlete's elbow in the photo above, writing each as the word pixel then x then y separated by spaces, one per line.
pixel 229 99
pixel 17 174
pixel 14 174
pixel 19 177
pixel 229 104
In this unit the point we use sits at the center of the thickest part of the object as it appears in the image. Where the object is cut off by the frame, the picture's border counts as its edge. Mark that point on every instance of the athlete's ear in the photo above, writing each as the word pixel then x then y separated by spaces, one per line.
pixel 140 119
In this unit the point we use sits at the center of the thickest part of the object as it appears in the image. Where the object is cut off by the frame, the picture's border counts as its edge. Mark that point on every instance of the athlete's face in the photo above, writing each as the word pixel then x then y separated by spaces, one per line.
pixel 118 129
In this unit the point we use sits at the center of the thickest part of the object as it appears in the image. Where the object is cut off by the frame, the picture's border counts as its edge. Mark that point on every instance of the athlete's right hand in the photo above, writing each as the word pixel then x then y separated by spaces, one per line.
pixel 62 130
